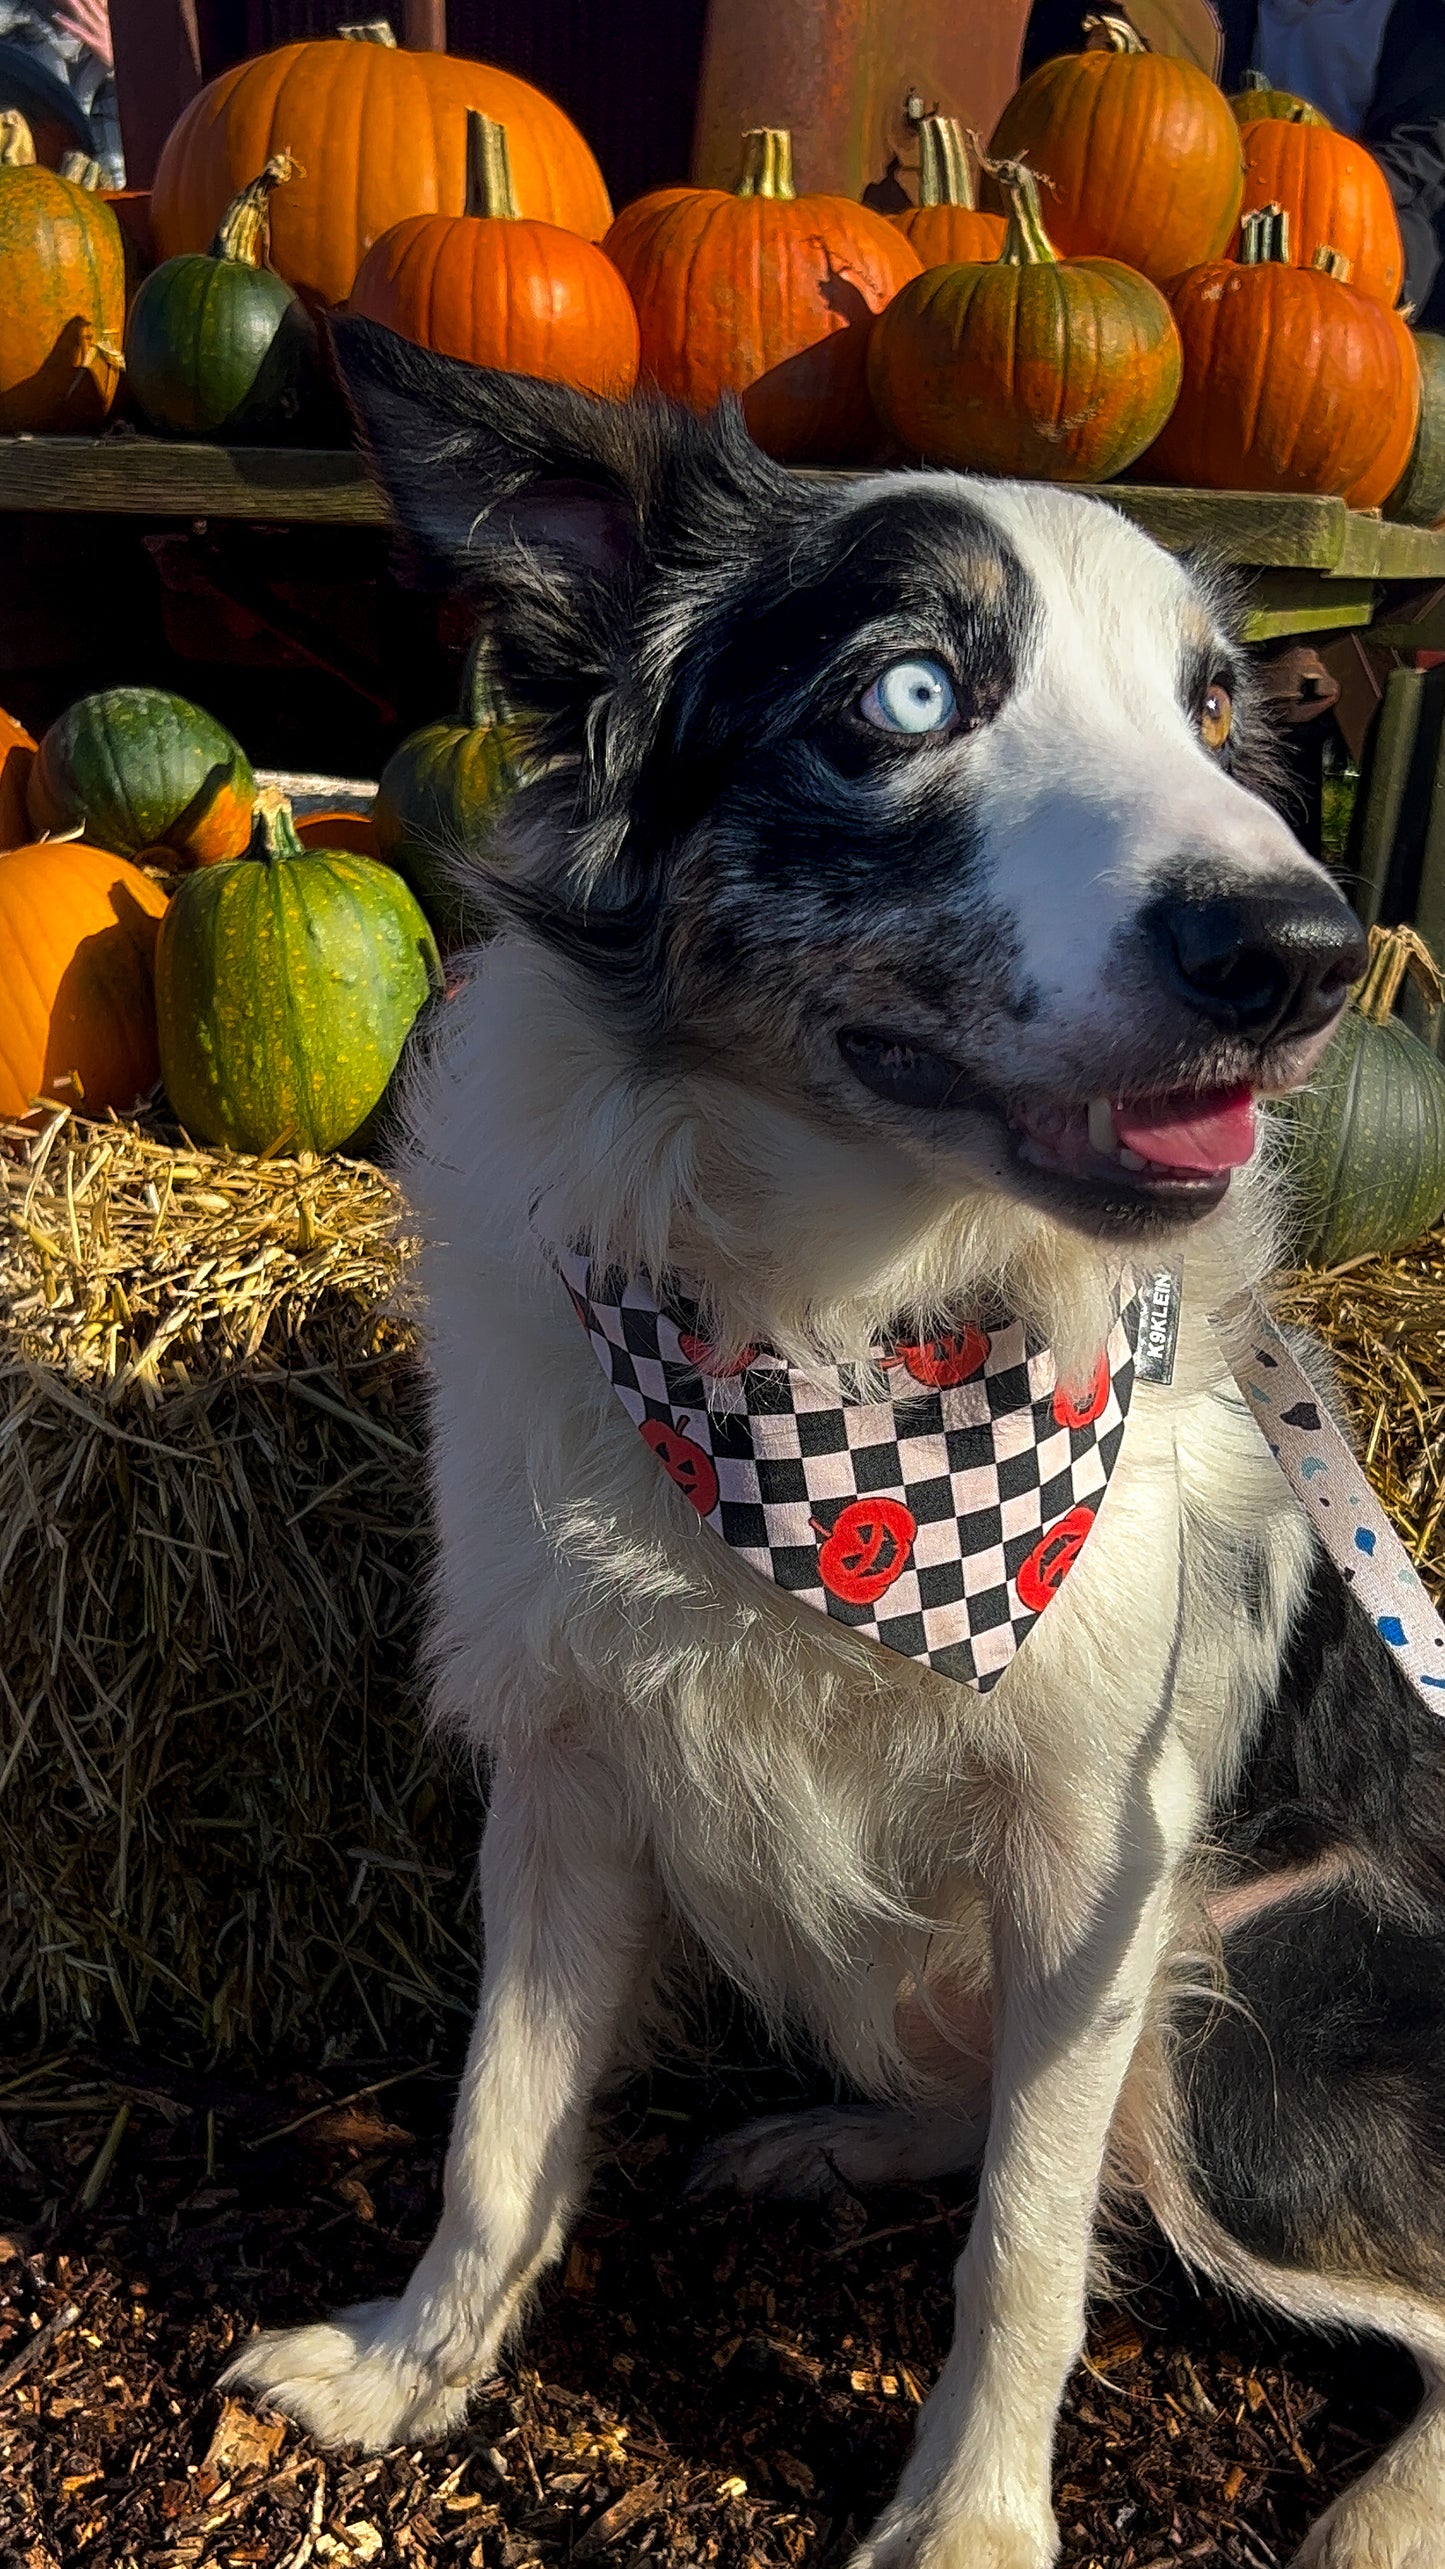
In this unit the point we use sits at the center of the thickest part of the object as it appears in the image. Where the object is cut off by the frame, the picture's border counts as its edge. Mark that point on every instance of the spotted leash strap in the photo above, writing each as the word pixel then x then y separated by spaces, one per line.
pixel 1341 1506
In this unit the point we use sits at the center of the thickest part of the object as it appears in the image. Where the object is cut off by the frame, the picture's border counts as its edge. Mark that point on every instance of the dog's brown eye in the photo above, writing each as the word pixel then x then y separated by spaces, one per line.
pixel 1216 715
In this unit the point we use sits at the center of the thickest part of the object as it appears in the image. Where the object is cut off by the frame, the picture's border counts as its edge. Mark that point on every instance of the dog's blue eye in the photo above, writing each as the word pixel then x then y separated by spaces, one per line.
pixel 914 695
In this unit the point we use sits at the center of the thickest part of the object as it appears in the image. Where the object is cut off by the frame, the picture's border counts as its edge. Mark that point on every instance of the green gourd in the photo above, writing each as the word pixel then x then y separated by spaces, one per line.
pixel 438 798
pixel 1259 101
pixel 217 345
pixel 136 769
pixel 1418 498
pixel 1366 1150
pixel 285 990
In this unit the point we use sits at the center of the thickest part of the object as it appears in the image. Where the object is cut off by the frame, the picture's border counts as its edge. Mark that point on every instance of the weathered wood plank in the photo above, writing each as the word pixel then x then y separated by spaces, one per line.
pixel 151 477
pixel 1374 551
pixel 1256 528
pixel 1294 602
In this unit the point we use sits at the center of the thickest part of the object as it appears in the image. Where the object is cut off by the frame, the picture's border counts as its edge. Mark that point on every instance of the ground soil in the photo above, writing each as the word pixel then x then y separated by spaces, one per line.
pixel 703 2382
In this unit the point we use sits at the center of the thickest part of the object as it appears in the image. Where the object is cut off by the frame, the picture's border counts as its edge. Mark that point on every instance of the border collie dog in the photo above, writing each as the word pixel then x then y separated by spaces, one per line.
pixel 895 938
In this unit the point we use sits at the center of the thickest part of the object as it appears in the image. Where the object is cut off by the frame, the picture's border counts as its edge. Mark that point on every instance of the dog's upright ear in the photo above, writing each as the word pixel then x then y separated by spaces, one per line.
pixel 543 505
pixel 470 458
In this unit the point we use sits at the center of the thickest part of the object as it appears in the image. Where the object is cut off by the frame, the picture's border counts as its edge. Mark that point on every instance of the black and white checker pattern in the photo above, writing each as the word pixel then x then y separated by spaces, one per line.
pixel 952 1511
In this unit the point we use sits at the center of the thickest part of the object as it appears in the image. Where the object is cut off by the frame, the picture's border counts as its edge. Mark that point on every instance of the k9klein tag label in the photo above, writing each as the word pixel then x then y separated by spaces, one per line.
pixel 1160 1298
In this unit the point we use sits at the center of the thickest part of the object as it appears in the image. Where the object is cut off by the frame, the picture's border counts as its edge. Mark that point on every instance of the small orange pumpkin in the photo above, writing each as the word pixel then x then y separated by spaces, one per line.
pixel 17 756
pixel 1140 151
pixel 945 227
pixel 1335 195
pixel 354 831
pixel 62 310
pixel 764 293
pixel 483 285
pixel 378 131
pixel 1292 380
pixel 1061 370
pixel 77 1003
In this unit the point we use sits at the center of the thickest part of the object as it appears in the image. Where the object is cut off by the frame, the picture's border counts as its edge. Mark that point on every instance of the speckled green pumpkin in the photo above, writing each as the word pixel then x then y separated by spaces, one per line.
pixel 1366 1154
pixel 286 989
pixel 438 799
pixel 217 345
pixel 135 768
pixel 1418 498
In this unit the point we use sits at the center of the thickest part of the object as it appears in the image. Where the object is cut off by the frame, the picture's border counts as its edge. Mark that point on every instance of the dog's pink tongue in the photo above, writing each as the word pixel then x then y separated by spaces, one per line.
pixel 1202 1134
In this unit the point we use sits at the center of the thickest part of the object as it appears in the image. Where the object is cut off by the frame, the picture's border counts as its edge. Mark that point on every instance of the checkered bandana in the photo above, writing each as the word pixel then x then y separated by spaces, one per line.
pixel 939 1519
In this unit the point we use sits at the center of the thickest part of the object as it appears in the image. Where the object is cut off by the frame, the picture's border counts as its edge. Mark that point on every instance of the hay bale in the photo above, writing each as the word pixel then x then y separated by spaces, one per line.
pixel 1383 1320
pixel 219 1812
pixel 218 1806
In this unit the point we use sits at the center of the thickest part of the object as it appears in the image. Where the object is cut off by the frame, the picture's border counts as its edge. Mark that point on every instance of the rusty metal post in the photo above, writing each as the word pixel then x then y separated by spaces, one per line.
pixel 839 73
pixel 157 72
pixel 424 26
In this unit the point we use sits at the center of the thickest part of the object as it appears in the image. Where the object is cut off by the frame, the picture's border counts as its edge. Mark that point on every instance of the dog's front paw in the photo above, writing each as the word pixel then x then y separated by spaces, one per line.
pixel 926 2535
pixel 354 2379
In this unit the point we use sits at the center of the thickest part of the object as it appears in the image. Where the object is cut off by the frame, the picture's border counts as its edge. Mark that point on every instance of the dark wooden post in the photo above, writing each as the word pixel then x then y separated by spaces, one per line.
pixel 157 73
pixel 424 26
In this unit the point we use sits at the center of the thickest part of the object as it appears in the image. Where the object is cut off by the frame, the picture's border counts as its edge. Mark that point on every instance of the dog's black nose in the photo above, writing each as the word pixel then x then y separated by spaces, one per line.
pixel 1262 964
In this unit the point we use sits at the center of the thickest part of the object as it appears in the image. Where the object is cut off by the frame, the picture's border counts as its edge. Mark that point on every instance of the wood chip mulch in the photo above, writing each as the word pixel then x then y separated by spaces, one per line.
pixel 704 2382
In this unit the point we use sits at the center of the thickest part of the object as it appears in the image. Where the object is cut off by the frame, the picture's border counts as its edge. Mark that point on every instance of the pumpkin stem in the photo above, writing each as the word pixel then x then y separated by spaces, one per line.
pixel 1025 244
pixel 489 170
pixel 1119 37
pixel 1333 263
pixel 1394 952
pixel 1264 238
pixel 81 170
pixel 17 143
pixel 767 162
pixel 273 831
pixel 244 231
pixel 368 31
pixel 1256 80
pixel 943 177
pixel 485 702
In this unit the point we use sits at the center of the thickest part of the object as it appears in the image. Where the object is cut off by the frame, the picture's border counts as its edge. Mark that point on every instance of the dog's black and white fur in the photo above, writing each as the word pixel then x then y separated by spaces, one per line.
pixel 809 1007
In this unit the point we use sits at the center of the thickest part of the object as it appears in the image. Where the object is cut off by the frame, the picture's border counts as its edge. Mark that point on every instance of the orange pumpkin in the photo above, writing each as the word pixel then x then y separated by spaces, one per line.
pixel 17 756
pixel 1292 380
pixel 1335 195
pixel 1140 151
pixel 62 311
pixel 486 286
pixel 380 134
pixel 77 1004
pixel 764 293
pixel 1375 486
pixel 1058 369
pixel 945 225
pixel 354 831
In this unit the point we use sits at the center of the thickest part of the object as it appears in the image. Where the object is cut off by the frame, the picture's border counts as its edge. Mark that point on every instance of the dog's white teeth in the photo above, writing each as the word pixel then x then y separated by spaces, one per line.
pixel 1131 1159
pixel 1102 1136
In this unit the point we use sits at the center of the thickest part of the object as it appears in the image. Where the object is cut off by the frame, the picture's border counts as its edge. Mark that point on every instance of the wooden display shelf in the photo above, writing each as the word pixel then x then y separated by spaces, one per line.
pixel 1313 565
pixel 156 477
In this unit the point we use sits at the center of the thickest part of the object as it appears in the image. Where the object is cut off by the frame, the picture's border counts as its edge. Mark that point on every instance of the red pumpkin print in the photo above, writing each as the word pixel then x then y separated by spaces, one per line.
pixel 1052 1558
pixel 1090 1404
pixel 868 1549
pixel 699 1353
pixel 684 1462
pixel 942 1362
